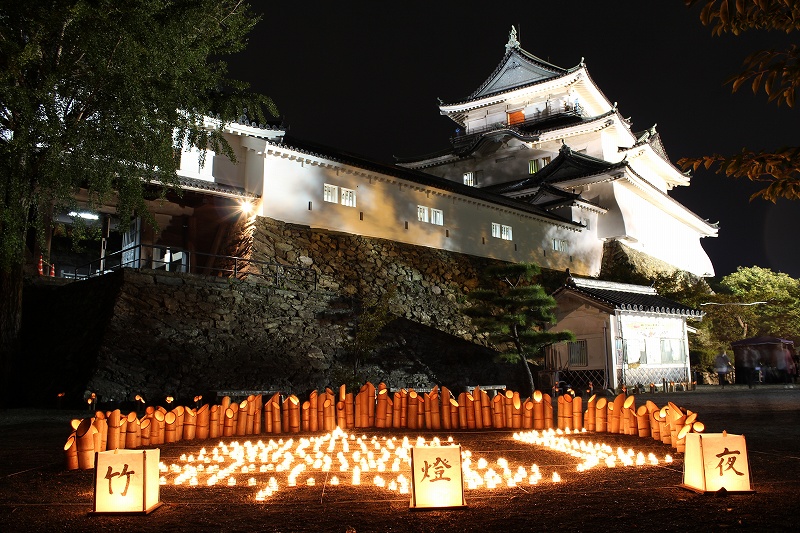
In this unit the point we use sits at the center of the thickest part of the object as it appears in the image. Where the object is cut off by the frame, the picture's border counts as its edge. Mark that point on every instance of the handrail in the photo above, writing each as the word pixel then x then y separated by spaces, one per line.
pixel 171 259
pixel 538 116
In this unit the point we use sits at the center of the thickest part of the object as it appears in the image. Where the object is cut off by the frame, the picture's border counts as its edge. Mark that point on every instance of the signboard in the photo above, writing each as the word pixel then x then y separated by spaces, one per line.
pixel 436 477
pixel 715 461
pixel 126 481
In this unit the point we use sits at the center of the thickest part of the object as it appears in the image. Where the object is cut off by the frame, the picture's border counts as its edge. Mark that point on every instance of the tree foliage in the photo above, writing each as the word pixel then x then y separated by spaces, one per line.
pixel 98 94
pixel 514 312
pixel 367 326
pixel 777 71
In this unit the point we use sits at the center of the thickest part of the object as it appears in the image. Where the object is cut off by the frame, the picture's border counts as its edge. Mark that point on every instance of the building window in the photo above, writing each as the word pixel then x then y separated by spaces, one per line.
pixel 560 245
pixel 331 193
pixel 469 179
pixel 501 231
pixel 437 217
pixel 545 161
pixel 422 213
pixel 533 166
pixel 578 355
pixel 348 197
pixel 516 117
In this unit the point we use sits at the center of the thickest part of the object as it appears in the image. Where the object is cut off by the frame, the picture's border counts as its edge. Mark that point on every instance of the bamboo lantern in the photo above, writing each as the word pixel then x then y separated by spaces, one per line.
pixel 123 429
pixel 663 426
pixel 589 421
pixel 469 410
pixel 629 413
pixel 189 424
pixel 202 421
pixel 651 406
pixel 680 440
pixel 486 410
pixel 561 409
pixel 601 415
pixel 305 416
pixel 516 411
pixel 477 406
pixel 313 410
pixel 615 414
pixel 84 438
pixel 436 411
pixel 396 405
pixel 508 409
pixel 225 403
pixel 170 428
pixel 285 415
pixel 382 405
pixel 538 411
pixel 341 414
pixel 145 428
pixel 349 411
pixel 426 406
pixel 698 427
pixel 548 411
pixel 676 423
pixel 362 413
pixel 498 417
pixel 389 411
pixel 180 412
pixel 113 434
pixel 213 421
pixel 240 427
pixel 568 399
pixel 258 409
pixel 157 429
pixel 101 425
pixel 403 408
pixel 330 414
pixel 294 413
pixel 71 453
pixel 229 422
pixel 655 431
pixel 413 405
pixel 446 408
pixel 453 414
pixel 133 434
pixel 342 392
pixel 642 421
pixel 370 405
pixel 275 407
pixel 267 416
pixel 690 418
pixel 321 411
pixel 420 412
pixel 527 414
pixel 577 413
pixel 251 412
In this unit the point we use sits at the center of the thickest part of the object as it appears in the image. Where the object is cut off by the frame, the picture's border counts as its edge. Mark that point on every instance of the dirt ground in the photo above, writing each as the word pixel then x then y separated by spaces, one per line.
pixel 38 494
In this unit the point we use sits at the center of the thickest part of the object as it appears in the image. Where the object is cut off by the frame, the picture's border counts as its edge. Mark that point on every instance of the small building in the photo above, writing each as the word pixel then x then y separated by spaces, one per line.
pixel 625 335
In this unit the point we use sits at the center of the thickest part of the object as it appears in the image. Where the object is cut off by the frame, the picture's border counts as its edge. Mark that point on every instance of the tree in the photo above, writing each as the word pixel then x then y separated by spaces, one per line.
pixel 98 95
pixel 778 72
pixel 514 312
pixel 368 325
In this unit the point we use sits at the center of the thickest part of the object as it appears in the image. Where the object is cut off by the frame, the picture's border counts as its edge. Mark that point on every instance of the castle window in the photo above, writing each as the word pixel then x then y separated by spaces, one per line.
pixel 545 161
pixel 331 193
pixel 437 217
pixel 516 117
pixel 348 197
pixel 560 245
pixel 422 213
pixel 533 166
pixel 578 355
pixel 469 179
pixel 501 231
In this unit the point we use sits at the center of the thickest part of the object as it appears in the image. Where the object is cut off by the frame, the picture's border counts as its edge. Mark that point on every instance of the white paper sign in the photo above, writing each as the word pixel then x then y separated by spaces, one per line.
pixel 715 461
pixel 126 481
pixel 436 477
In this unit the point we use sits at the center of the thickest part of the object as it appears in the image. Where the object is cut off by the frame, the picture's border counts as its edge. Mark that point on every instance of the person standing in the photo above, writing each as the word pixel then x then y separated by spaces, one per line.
pixel 722 365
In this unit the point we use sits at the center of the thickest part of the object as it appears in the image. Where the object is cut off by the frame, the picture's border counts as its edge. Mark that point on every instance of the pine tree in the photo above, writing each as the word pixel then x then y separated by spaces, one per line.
pixel 514 312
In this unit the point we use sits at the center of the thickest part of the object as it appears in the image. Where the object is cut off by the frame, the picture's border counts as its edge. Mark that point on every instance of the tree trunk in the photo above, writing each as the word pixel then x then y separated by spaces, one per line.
pixel 528 371
pixel 10 325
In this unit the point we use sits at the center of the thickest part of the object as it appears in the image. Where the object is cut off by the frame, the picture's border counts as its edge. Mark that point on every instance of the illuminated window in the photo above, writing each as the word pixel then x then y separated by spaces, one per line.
pixel 348 197
pixel 516 117
pixel 422 213
pixel 437 217
pixel 578 355
pixel 469 179
pixel 501 231
pixel 533 166
pixel 560 245
pixel 545 161
pixel 331 193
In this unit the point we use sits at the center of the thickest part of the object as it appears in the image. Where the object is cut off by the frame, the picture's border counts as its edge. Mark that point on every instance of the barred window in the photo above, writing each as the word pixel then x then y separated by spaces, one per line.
pixel 578 355
pixel 422 213
pixel 348 197
pixel 469 179
pixel 437 217
pixel 331 193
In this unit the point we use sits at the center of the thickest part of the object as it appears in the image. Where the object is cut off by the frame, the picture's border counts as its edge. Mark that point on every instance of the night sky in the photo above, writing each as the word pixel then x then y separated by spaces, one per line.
pixel 364 77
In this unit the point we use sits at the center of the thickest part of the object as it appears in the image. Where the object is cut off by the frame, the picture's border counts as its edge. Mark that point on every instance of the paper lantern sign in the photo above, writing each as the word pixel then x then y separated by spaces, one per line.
pixel 436 478
pixel 126 481
pixel 715 461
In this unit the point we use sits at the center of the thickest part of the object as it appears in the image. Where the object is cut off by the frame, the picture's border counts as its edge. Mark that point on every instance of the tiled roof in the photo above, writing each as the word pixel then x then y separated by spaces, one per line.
pixel 212 187
pixel 628 297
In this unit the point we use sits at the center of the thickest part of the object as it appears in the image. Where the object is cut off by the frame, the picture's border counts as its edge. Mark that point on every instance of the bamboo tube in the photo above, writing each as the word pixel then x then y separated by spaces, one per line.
pixel 577 413
pixel 547 400
pixel 625 420
pixel 651 406
pixel 285 415
pixel 349 411
pixel 313 409
pixel 330 415
pixel 362 417
pixel 403 408
pixel 342 392
pixel 382 404
pixel 213 422
pixel 507 408
pixel 445 413
pixel 527 414
pixel 461 412
pixel 642 421
pixel 420 412
pixel 664 429
pixel 655 431
pixel 305 416
pixel 370 405
pixel 538 410
pixel 389 411
pixel 589 417
pixel 698 427
pixel 275 407
pixel 321 411
pixel 516 411
pixel 251 412
pixel 676 422
pixel 426 407
pixel 486 410
pixel 341 415
pixel 101 425
pixel 477 406
pixel 615 414
pixel 413 405
pixel 133 433
pixel 123 429
pixel 690 418
pixel 258 410
pixel 203 417
pixel 84 439
pixel 560 413
pixel 189 424
pixel 396 404
pixel 469 410
pixel 145 428
pixel 601 415
pixel 75 422
pixel 498 417
pixel 294 413
pixel 454 414
pixel 71 453
pixel 680 438
pixel 568 399
pixel 436 411
pixel 157 430
pixel 180 412
pixel 170 428
pixel 229 423
pixel 113 434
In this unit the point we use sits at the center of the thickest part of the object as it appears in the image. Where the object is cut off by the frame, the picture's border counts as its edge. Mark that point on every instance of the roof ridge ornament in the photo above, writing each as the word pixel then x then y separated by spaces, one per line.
pixel 512 39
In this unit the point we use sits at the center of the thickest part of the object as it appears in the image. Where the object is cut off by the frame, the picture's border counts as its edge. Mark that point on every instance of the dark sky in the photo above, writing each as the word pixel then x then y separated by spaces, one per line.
pixel 364 77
